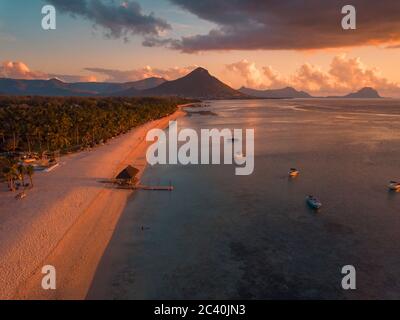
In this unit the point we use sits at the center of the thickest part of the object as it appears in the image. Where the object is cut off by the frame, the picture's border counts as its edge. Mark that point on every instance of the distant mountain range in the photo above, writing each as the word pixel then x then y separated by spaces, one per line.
pixel 197 84
pixel 287 92
pixel 364 93
pixel 108 88
pixel 55 87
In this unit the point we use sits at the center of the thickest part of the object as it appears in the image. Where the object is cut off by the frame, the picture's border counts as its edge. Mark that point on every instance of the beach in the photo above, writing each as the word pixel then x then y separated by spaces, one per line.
pixel 68 218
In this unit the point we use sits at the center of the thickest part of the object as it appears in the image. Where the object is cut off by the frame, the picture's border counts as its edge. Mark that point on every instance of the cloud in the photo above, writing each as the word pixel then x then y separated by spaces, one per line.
pixel 249 71
pixel 257 78
pixel 113 75
pixel 276 80
pixel 343 76
pixel 312 78
pixel 19 70
pixel 74 78
pixel 160 42
pixel 119 21
pixel 291 24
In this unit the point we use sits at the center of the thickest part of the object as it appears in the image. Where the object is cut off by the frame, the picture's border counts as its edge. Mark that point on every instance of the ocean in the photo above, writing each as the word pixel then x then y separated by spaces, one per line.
pixel 222 236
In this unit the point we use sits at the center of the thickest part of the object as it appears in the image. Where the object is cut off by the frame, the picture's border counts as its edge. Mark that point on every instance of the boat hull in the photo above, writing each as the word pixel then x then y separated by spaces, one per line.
pixel 314 204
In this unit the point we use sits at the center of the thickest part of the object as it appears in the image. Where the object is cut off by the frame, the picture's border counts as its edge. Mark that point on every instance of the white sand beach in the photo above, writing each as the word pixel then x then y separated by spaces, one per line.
pixel 67 219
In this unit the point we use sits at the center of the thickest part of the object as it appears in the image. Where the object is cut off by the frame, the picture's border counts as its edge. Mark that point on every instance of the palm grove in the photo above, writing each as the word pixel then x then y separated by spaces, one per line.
pixel 36 125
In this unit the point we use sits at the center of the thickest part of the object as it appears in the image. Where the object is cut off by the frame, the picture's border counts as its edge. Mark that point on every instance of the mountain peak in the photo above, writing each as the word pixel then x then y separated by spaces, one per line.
pixel 199 84
pixel 366 92
pixel 287 92
pixel 55 81
pixel 200 70
pixel 367 89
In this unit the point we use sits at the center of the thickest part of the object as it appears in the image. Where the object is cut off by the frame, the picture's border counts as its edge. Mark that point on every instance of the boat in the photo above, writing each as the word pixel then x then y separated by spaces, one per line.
pixel 394 186
pixel 21 195
pixel 313 202
pixel 52 167
pixel 293 172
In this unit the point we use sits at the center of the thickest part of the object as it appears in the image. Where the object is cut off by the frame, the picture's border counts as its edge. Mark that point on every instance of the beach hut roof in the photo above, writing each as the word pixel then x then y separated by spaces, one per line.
pixel 128 173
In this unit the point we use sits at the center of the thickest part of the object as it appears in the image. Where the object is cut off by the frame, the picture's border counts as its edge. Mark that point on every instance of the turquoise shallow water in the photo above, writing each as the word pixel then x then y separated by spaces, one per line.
pixel 221 236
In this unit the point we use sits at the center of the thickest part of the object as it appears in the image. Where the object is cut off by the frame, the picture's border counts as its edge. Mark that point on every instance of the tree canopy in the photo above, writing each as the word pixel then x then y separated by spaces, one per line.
pixel 37 124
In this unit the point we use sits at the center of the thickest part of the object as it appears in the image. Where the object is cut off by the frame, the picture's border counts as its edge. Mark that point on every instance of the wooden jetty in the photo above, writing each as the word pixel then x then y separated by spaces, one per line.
pixel 127 179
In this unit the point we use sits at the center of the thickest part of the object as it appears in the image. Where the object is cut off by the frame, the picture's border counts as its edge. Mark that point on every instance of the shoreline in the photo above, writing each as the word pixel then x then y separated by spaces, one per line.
pixel 71 231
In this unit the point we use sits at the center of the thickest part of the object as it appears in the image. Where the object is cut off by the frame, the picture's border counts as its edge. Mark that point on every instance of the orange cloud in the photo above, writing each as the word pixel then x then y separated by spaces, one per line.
pixel 19 70
pixel 114 75
pixel 249 71
pixel 344 75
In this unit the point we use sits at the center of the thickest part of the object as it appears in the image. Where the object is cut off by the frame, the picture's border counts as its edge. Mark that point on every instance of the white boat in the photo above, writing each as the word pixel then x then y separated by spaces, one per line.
pixel 51 168
pixel 313 202
pixel 21 195
pixel 293 172
pixel 394 186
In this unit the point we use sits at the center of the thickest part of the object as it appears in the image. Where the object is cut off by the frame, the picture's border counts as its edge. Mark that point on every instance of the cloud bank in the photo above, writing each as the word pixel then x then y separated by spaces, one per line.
pixel 114 75
pixel 291 24
pixel 118 20
pixel 344 75
pixel 19 70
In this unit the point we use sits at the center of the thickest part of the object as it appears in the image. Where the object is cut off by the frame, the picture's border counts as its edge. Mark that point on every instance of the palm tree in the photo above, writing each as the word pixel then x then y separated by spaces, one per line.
pixel 31 123
pixel 3 136
pixel 7 172
pixel 21 173
pixel 10 171
pixel 30 172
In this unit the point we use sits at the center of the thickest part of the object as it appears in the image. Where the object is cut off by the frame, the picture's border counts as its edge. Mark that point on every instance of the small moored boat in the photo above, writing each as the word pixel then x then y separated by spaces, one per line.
pixel 394 186
pixel 313 202
pixel 21 195
pixel 293 172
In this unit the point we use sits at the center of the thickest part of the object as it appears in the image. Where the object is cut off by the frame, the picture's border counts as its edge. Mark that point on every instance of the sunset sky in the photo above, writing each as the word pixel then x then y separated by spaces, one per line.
pixel 259 44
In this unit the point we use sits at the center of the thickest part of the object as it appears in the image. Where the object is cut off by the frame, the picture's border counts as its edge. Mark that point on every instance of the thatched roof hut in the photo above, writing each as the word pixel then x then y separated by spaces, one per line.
pixel 128 174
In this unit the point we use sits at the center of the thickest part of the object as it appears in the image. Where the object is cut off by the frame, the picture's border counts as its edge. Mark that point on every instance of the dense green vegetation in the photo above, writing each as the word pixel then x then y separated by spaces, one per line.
pixel 15 173
pixel 38 124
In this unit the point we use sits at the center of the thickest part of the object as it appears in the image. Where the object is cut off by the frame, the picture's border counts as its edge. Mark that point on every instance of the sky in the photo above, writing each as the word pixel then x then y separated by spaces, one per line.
pixel 254 43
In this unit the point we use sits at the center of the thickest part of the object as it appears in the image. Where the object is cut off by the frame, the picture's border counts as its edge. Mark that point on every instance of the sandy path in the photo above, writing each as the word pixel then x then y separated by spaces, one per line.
pixel 67 220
